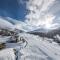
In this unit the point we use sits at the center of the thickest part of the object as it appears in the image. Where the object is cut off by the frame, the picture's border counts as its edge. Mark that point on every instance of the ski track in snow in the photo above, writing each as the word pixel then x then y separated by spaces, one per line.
pixel 36 49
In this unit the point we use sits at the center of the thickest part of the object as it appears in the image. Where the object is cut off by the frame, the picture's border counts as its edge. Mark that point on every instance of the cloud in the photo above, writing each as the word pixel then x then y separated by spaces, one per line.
pixel 54 9
pixel 42 13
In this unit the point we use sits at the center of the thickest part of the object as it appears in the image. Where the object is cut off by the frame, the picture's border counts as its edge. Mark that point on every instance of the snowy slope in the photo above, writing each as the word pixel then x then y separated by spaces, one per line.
pixel 37 48
pixel 4 39
pixel 5 24
pixel 7 54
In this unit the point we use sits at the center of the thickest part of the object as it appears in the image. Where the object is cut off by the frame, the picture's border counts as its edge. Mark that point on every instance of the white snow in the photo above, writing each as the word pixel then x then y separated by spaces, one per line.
pixel 57 37
pixel 39 49
pixel 4 39
pixel 7 54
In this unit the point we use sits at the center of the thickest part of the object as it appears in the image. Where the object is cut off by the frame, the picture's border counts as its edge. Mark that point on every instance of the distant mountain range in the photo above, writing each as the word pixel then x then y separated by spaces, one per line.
pixel 46 33
pixel 10 24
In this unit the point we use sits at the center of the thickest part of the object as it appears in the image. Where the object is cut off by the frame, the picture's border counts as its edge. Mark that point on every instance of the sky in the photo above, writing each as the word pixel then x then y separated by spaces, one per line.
pixel 13 8
pixel 44 13
pixel 35 13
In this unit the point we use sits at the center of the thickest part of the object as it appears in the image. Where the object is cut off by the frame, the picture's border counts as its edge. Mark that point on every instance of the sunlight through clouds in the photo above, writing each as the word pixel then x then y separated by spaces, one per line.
pixel 40 14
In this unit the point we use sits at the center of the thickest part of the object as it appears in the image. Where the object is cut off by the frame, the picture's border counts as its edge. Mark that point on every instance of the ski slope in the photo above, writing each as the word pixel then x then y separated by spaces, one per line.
pixel 39 49
pixel 36 48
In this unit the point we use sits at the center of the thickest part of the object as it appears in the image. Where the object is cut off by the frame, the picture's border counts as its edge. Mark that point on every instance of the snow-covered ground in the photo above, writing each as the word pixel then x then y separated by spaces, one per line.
pixel 39 49
pixel 35 48
pixel 7 54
